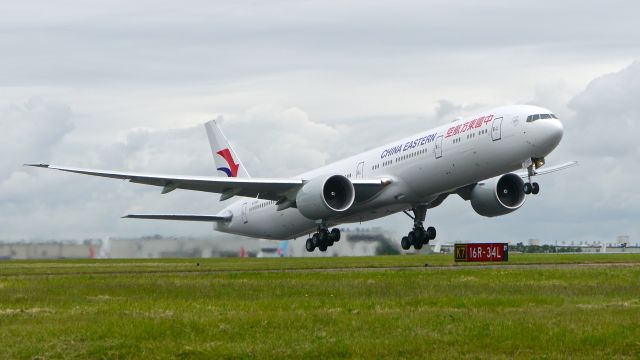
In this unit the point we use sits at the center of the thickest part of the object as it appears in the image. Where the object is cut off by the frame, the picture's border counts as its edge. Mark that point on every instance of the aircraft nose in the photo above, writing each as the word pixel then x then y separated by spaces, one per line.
pixel 555 130
pixel 550 134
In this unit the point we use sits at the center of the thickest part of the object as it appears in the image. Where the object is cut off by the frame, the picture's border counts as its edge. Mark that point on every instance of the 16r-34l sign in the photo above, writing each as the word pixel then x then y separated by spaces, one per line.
pixel 481 252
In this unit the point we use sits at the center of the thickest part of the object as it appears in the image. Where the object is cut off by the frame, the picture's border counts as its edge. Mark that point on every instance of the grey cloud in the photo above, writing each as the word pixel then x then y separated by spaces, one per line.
pixel 30 131
pixel 598 199
pixel 229 40
pixel 280 141
pixel 333 81
pixel 607 114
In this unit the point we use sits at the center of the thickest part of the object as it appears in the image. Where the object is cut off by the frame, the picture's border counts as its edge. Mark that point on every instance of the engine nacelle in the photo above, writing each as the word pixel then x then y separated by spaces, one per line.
pixel 324 197
pixel 498 196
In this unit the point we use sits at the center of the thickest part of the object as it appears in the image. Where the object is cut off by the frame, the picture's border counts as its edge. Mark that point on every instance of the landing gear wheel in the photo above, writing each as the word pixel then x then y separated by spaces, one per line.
pixel 535 188
pixel 527 188
pixel 405 243
pixel 309 245
pixel 335 234
pixel 315 239
pixel 323 247
pixel 419 236
pixel 324 236
pixel 431 233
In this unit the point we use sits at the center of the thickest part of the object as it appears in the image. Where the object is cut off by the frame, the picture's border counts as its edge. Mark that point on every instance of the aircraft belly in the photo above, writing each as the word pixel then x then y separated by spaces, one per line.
pixel 373 213
pixel 271 224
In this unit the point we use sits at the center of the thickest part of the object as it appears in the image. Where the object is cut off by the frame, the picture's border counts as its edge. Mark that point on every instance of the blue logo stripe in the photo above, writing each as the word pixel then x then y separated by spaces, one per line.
pixel 226 171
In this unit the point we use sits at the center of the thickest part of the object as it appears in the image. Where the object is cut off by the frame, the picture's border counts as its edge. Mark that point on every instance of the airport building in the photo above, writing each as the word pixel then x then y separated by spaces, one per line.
pixel 354 242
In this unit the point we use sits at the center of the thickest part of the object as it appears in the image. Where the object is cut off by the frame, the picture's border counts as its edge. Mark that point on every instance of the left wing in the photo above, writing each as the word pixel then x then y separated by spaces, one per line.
pixel 275 189
pixel 181 217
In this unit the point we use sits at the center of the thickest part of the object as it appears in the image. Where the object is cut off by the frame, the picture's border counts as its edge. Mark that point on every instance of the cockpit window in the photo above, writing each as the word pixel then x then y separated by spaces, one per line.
pixel 535 117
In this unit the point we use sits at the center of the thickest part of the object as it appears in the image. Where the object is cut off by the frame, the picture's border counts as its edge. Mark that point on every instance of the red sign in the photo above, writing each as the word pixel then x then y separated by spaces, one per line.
pixel 481 252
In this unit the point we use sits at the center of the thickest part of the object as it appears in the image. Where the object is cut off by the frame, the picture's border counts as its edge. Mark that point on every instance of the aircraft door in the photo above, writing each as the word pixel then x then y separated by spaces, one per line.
pixel 496 129
pixel 243 213
pixel 438 148
pixel 360 170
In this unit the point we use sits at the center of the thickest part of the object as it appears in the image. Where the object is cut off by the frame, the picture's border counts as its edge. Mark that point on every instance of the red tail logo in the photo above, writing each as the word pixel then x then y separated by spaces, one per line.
pixel 232 170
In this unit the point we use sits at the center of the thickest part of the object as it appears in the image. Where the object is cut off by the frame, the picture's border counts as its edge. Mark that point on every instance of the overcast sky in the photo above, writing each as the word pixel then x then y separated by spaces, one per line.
pixel 127 85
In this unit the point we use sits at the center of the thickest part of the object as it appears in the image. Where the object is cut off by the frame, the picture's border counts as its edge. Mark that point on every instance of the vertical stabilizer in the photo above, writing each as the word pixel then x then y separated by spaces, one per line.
pixel 226 160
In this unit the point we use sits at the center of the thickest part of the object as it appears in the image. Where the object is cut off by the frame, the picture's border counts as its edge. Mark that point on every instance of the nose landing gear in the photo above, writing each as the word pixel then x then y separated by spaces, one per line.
pixel 323 239
pixel 419 236
pixel 531 188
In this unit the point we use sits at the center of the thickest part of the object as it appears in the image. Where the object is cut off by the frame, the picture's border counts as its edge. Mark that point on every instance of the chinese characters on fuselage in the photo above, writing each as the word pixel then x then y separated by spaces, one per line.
pixel 469 125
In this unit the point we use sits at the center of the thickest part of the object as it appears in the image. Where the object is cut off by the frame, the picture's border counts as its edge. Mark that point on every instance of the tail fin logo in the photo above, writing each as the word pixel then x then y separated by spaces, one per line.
pixel 232 170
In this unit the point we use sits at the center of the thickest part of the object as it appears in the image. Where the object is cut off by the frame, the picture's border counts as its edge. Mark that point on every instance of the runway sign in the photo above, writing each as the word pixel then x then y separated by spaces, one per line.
pixel 481 252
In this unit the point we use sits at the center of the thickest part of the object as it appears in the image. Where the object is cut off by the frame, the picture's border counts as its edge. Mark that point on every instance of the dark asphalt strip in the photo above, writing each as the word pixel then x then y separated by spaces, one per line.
pixel 425 267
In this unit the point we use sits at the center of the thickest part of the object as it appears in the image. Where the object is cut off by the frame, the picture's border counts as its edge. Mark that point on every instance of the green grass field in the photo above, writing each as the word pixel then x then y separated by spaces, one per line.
pixel 387 307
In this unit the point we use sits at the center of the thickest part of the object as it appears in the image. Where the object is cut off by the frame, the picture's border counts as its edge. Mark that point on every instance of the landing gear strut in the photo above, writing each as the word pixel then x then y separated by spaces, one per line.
pixel 529 187
pixel 322 239
pixel 419 235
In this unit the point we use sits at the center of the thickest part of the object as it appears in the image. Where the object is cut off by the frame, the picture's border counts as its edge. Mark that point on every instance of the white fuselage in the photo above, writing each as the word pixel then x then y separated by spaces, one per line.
pixel 420 167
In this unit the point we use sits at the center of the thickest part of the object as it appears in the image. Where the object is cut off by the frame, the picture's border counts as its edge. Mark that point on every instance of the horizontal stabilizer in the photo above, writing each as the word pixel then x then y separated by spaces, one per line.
pixel 184 217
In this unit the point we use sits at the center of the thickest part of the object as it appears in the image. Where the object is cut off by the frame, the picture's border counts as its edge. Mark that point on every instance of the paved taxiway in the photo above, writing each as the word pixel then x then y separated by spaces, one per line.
pixel 203 269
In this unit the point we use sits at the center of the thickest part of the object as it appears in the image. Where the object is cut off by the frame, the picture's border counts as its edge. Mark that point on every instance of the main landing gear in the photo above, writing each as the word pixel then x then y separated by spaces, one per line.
pixel 323 239
pixel 529 187
pixel 419 235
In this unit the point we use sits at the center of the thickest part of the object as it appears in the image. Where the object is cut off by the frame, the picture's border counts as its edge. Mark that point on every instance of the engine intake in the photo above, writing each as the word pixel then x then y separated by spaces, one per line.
pixel 498 196
pixel 325 197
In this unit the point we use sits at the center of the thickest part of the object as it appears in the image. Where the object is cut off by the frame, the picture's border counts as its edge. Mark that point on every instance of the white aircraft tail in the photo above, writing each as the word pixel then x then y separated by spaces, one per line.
pixel 225 158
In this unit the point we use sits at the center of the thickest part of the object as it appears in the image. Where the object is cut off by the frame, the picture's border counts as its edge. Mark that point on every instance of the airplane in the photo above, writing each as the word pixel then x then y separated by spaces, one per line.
pixel 488 159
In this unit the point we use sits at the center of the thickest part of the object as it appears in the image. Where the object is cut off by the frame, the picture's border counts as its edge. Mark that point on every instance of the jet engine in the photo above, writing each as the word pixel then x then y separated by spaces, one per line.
pixel 324 197
pixel 498 196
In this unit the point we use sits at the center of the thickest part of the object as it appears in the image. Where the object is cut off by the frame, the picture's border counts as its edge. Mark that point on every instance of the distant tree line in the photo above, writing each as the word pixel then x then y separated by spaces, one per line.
pixel 520 247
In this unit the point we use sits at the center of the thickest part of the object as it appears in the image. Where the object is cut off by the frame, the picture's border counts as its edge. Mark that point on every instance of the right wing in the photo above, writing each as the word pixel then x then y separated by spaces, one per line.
pixel 549 170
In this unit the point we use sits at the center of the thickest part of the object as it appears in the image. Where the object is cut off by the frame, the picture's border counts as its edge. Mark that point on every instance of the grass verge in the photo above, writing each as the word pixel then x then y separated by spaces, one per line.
pixel 175 309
